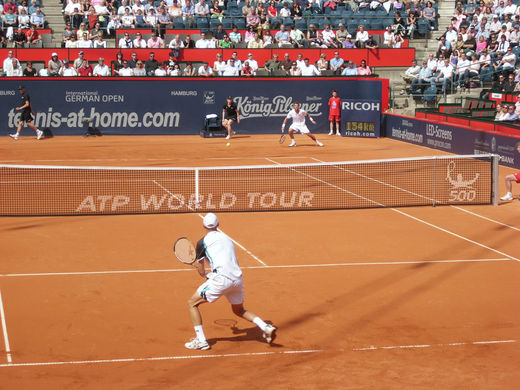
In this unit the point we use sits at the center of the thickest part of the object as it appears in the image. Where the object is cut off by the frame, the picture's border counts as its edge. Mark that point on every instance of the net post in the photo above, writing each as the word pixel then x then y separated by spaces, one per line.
pixel 196 188
pixel 494 166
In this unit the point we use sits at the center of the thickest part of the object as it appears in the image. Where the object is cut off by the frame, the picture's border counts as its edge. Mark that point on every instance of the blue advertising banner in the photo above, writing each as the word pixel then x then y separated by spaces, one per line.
pixel 179 106
pixel 361 118
pixel 453 139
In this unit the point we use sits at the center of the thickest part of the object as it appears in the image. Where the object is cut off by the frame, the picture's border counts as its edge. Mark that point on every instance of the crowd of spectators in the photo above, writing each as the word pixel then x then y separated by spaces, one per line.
pixel 232 67
pixel 20 22
pixel 481 44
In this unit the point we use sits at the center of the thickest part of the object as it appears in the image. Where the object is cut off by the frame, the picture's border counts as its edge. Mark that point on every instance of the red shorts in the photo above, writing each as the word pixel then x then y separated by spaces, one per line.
pixel 517 177
pixel 334 118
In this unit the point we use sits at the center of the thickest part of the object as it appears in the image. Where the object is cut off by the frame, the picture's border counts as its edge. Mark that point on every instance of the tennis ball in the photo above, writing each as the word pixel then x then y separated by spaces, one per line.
pixel 228 144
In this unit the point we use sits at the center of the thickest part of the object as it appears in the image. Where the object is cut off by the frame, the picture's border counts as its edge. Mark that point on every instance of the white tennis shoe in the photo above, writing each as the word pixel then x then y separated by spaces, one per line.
pixel 319 143
pixel 331 132
pixel 293 143
pixel 338 133
pixel 507 196
pixel 269 333
pixel 14 136
pixel 197 344
pixel 39 134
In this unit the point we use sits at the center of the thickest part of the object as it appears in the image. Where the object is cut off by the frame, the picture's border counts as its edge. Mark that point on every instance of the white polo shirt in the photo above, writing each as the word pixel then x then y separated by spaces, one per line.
pixel 220 252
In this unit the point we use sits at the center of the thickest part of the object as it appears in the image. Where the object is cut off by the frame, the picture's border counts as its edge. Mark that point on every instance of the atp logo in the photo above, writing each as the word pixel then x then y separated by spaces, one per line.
pixel 208 97
pixel 461 190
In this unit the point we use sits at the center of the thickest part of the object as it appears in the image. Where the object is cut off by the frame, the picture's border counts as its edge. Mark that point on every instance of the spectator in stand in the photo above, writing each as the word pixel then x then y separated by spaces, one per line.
pixel 511 114
pixel 15 70
pixel 451 35
pixel 231 70
pixel 470 44
pixel 176 44
pixel 155 42
pixel 164 21
pixel 202 9
pixel 216 12
pixel 188 13
pixel 462 71
pixel 151 19
pixel 74 13
pixel 219 33
pixel 205 70
pixel 125 42
pixel 84 42
pixel 411 73
pixel 151 64
pixel 296 11
pixel 85 70
pixel 481 44
pixel 19 38
pixel 101 69
pixel 125 71
pixel 132 63
pixel 188 42
pixel 322 63
pixel 267 38
pixel 294 70
pixel 174 71
pixel 399 25
pixel 498 110
pixel 348 44
pixel 54 65
pixel 139 42
pixel 329 37
pixel 363 69
pixel 514 36
pixel 445 76
pixel 159 72
pixel 336 63
pixel 29 71
pixel 250 33
pixel 503 45
pixel 139 20
pixel 510 8
pixel 247 70
pixel 127 19
pixel 66 70
pixel 341 34
pixel 388 37
pixel 507 64
pixel 361 37
pixel 139 70
pixel 371 43
pixel 252 18
pixel 350 69
pixel 33 37
pixel 272 11
pixel 95 32
pixel 235 36
pixel 189 70
pixel 285 12
pixel 67 33
pixel 510 86
pixel 272 64
pixel 255 43
pixel 429 14
pixel 286 63
pixel 8 62
pixel 118 63
pixel 282 37
pixel 204 43
pixel 297 37
pixel 246 8
pixel 422 80
pixel 114 21
pixel 309 69
pixel 300 61
pixel 79 61
pixel 495 25
pixel 236 61
pixel 24 20
pixel 225 43
pixel 252 62
pixel 219 65
pixel 411 22
pixel 312 35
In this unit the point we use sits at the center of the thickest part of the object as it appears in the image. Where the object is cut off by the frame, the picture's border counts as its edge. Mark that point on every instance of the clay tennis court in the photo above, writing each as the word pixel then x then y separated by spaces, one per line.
pixel 391 298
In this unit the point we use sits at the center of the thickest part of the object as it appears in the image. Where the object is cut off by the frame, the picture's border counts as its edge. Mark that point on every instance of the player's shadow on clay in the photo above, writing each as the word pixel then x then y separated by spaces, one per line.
pixel 246 334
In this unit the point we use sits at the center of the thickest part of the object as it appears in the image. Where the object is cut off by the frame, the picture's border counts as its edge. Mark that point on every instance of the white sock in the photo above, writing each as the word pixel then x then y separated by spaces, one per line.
pixel 200 333
pixel 260 323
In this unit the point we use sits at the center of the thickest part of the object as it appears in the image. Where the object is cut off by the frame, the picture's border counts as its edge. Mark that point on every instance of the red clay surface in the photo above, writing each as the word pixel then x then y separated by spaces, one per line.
pixel 364 299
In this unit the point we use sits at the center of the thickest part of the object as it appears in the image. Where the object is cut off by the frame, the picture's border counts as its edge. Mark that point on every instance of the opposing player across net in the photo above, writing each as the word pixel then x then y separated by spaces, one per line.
pixel 439 180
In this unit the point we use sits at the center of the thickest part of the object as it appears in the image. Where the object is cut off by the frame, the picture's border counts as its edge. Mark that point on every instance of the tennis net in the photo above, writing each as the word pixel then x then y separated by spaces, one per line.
pixel 66 190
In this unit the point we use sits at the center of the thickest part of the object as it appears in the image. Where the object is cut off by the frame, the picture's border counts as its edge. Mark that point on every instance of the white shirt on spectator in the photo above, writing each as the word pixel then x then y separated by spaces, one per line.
pixel 362 36
pixel 309 70
pixel 18 72
pixel 103 71
pixel 219 66
pixel 253 64
pixel 205 44
pixel 238 64
pixel 413 71
pixel 462 65
pixel 433 64
pixel 176 44
pixel 84 44
pixel 205 71
pixel 160 72
pixel 8 63
pixel 139 43
pixel 388 37
pixel 510 9
pixel 68 71
pixel 230 71
pixel 126 72
pixel 509 60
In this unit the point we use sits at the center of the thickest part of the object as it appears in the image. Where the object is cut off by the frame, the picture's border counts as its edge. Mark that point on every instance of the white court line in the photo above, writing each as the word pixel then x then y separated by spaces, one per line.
pixel 148 359
pixel 146 159
pixel 418 346
pixel 202 217
pixel 4 329
pixel 349 264
pixel 429 224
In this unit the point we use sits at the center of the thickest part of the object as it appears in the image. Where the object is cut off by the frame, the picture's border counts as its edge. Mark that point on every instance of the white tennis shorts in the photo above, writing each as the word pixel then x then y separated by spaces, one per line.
pixel 302 128
pixel 218 285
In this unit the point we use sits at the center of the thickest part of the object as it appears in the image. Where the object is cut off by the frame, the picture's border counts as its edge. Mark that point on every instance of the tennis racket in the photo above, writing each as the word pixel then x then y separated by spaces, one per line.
pixel 282 138
pixel 184 251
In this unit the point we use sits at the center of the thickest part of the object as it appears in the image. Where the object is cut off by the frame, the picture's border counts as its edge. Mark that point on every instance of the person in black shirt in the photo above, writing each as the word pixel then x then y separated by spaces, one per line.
pixel 230 115
pixel 29 71
pixel 26 116
pixel 219 33
pixel 19 38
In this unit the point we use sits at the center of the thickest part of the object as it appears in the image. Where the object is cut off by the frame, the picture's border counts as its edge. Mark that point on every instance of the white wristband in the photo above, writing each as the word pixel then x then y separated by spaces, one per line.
pixel 310 117
pixel 283 125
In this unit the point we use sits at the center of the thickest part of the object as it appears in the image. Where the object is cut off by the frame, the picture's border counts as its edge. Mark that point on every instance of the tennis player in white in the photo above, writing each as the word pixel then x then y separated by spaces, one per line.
pixel 223 278
pixel 298 124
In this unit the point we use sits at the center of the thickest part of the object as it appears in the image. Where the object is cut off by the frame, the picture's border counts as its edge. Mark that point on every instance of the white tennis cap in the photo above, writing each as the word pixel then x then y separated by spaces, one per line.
pixel 210 221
